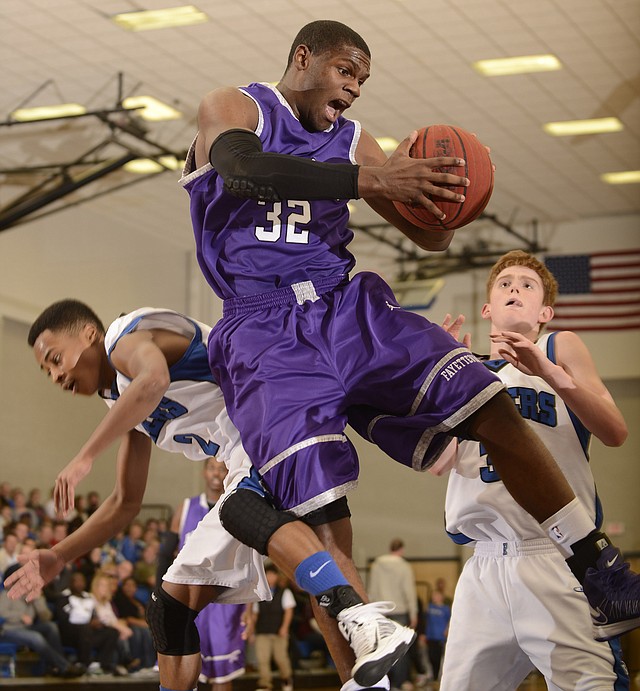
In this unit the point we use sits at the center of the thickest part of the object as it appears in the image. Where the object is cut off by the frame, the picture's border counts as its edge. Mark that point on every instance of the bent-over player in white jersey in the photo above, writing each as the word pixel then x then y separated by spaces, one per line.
pixel 517 605
pixel 152 369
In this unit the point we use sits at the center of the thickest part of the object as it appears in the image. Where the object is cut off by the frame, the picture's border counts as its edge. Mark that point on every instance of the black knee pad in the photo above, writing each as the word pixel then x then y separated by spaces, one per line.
pixel 172 625
pixel 250 518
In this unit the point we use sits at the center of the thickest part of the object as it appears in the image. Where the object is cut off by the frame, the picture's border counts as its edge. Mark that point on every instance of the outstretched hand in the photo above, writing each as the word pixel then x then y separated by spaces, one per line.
pixel 68 478
pixel 453 328
pixel 40 567
pixel 521 352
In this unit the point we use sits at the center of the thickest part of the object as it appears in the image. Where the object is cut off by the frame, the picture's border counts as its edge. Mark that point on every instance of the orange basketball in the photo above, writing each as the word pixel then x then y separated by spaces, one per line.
pixel 446 140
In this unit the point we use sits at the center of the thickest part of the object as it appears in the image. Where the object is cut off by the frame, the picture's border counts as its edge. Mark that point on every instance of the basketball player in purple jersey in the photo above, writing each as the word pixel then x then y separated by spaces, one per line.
pixel 269 175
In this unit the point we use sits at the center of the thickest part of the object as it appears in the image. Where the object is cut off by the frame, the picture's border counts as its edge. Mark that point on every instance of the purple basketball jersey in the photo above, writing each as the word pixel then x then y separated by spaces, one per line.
pixel 221 646
pixel 298 344
pixel 245 246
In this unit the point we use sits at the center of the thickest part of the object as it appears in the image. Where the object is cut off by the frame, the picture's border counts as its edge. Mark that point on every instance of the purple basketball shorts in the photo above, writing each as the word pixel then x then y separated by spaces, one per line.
pixel 222 647
pixel 296 365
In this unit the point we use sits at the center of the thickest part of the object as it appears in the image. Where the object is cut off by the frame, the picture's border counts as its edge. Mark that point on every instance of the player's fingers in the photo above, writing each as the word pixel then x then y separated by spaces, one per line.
pixel 405 145
pixel 448 179
pixel 436 165
pixel 57 505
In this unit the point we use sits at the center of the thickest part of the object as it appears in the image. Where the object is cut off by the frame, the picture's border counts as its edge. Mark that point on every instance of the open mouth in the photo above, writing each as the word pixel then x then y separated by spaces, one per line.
pixel 513 303
pixel 69 386
pixel 335 108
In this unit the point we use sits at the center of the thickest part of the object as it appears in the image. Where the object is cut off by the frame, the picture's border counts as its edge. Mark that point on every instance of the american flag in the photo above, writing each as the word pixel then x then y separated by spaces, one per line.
pixel 597 292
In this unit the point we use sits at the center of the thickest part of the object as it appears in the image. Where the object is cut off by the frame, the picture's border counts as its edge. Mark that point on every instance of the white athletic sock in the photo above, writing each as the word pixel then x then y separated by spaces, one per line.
pixel 352 685
pixel 569 525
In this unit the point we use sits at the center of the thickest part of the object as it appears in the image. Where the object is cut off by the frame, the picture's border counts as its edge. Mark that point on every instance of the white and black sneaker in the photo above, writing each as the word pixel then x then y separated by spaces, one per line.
pixel 378 642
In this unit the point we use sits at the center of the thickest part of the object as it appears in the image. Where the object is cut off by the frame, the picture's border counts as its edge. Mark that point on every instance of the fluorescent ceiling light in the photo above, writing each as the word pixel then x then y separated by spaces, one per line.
pixel 569 128
pixel 160 19
pixel 387 144
pixel 48 112
pixel 146 166
pixel 518 65
pixel 151 108
pixel 624 177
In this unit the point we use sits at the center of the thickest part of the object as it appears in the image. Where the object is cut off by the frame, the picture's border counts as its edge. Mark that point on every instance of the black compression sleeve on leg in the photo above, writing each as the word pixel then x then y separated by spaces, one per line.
pixel 250 518
pixel 249 172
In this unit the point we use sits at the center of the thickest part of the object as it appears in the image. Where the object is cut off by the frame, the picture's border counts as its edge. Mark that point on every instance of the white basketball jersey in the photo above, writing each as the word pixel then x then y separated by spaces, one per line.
pixel 478 506
pixel 191 418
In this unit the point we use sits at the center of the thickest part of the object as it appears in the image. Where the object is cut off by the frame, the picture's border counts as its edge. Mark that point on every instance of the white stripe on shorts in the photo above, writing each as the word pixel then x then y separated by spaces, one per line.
pixel 515 548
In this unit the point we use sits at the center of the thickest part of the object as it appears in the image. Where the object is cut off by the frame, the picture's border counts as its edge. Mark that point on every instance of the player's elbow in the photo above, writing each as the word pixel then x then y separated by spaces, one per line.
pixel 129 509
pixel 125 506
pixel 618 437
pixel 615 434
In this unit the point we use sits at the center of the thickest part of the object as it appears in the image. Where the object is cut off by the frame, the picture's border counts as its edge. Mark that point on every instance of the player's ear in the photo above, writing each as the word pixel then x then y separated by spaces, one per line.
pixel 90 332
pixel 301 57
pixel 485 313
pixel 546 314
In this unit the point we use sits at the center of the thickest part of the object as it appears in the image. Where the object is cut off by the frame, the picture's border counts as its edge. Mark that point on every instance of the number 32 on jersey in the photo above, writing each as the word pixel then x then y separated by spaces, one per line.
pixel 287 216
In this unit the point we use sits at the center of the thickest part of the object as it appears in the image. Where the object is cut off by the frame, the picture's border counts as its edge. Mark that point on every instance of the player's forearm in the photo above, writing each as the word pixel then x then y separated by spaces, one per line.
pixel 120 507
pixel 134 406
pixel 597 412
pixel 109 519
pixel 430 240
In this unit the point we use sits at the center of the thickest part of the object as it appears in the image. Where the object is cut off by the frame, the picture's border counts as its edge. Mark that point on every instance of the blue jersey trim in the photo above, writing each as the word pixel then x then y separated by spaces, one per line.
pixel 583 434
pixel 460 538
pixel 192 366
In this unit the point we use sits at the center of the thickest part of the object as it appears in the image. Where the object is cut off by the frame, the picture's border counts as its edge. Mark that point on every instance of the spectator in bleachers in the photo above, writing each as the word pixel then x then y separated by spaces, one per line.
pixel 132 610
pixel 27 545
pixel 50 507
pixel 152 524
pixel 132 544
pixel 6 518
pixel 144 571
pixel 5 494
pixel 58 585
pixel 22 529
pixel 44 535
pixel 90 563
pixel 81 629
pixel 78 515
pixel 93 502
pixel 9 551
pixel 60 531
pixel 34 502
pixel 102 591
pixel 124 570
pixel 30 625
pixel 20 508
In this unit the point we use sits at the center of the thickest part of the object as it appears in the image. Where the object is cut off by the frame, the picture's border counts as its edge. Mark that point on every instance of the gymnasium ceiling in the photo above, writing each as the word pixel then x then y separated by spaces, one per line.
pixel 55 51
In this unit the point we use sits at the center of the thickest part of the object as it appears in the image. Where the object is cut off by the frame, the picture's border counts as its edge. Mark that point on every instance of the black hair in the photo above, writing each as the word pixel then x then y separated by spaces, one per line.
pixel 325 35
pixel 65 315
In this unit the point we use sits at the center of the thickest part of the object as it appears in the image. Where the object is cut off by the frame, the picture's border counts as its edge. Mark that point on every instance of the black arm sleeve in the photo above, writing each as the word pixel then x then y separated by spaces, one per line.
pixel 166 554
pixel 250 172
